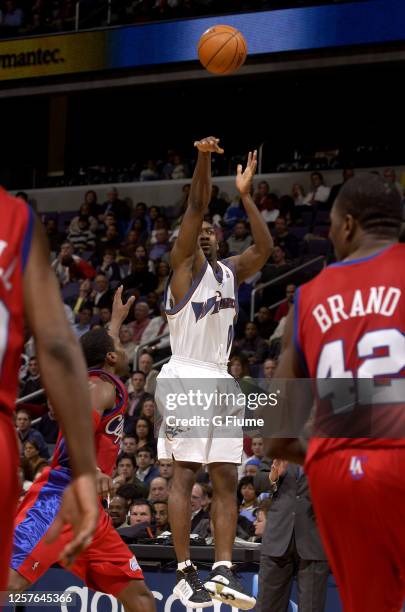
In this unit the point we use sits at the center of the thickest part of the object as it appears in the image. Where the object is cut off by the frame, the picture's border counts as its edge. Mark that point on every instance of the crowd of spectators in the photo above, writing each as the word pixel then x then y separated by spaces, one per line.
pixel 29 17
pixel 106 244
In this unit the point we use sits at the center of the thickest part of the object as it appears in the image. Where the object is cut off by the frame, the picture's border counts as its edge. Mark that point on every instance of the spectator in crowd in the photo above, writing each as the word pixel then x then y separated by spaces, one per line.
pixel 94 208
pixel 69 267
pixel 240 239
pixel 84 297
pixel 146 471
pixel 271 210
pixel 251 467
pixel 105 315
pixel 149 173
pixel 33 462
pixel 284 239
pixel 141 522
pixel 83 324
pixel 126 342
pixel 199 517
pixel 261 195
pixel 48 426
pixel 161 246
pixel 390 179
pixel 129 245
pixel 162 274
pixel 84 211
pixel 158 490
pixel 319 192
pixel 32 382
pixel 126 466
pixel 143 430
pixel 291 545
pixel 346 174
pixel 12 16
pixel 258 447
pixel 239 367
pixel 165 468
pixel 141 321
pixel 217 205
pixel 162 517
pixel 119 208
pixel 252 346
pixel 298 194
pixel 102 295
pixel 234 213
pixel 269 367
pixel 247 496
pixel 140 278
pixel 264 322
pixel 284 308
pixel 109 266
pixel 145 364
pixel 180 169
pixel 27 433
pixel 152 300
pixel 118 510
pixel 260 520
pixel 136 395
pixel 129 444
pixel 82 238
pixel 148 408
pixel 55 238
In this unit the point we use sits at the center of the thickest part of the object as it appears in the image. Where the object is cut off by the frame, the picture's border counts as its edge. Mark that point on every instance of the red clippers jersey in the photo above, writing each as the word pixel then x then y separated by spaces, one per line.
pixel 16 229
pixel 108 429
pixel 350 325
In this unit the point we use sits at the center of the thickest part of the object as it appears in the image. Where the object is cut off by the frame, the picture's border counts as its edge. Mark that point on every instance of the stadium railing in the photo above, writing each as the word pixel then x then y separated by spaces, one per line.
pixel 276 280
pixel 150 343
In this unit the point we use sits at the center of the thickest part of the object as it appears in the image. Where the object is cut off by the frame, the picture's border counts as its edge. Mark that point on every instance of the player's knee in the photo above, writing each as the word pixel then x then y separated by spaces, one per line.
pixel 16 582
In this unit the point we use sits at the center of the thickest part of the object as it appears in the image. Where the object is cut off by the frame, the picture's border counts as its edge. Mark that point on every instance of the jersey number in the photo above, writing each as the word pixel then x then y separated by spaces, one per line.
pixel 361 386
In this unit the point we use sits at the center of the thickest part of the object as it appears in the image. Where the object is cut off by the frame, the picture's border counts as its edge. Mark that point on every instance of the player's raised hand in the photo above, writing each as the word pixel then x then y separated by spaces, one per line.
pixel 120 310
pixel 79 509
pixel 208 145
pixel 244 178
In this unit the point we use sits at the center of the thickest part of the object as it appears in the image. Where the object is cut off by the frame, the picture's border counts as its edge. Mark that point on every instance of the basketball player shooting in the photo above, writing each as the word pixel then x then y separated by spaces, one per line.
pixel 201 333
pixel 348 323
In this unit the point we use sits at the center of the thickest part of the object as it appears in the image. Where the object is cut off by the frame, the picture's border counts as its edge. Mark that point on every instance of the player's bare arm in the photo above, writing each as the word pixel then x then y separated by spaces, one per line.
pixel 254 258
pixel 64 375
pixel 119 313
pixel 289 366
pixel 187 257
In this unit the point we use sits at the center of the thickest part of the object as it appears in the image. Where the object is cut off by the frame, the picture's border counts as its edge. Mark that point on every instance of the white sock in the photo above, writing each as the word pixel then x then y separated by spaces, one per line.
pixel 218 563
pixel 182 566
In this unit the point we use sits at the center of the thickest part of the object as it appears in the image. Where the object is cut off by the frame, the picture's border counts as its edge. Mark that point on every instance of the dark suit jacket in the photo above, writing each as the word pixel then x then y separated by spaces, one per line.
pixel 200 516
pixel 291 511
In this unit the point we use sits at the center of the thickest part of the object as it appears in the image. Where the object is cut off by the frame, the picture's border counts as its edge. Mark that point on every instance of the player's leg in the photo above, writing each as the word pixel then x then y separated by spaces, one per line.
pixel 189 588
pixel 356 500
pixel 222 582
pixel 184 475
pixel 9 493
pixel 136 597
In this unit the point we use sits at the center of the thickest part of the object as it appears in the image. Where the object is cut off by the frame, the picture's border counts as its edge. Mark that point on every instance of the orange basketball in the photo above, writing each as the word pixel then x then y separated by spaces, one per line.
pixel 222 49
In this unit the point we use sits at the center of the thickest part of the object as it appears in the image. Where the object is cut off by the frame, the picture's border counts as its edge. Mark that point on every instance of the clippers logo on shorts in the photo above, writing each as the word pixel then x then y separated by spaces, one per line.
pixel 356 467
pixel 214 304
pixel 115 427
pixel 134 565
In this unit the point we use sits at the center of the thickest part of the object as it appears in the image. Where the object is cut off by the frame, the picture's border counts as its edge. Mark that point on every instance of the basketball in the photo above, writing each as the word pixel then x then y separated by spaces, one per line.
pixel 222 49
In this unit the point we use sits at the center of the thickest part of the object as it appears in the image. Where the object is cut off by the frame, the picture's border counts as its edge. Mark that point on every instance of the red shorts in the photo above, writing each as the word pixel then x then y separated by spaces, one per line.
pixel 9 461
pixel 359 502
pixel 107 565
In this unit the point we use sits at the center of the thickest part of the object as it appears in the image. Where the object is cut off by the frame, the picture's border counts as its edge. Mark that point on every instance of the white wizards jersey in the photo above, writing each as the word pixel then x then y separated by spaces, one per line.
pixel 201 325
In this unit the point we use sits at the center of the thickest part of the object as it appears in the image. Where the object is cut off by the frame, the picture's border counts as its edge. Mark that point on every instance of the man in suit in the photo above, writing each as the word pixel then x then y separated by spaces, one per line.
pixel 291 546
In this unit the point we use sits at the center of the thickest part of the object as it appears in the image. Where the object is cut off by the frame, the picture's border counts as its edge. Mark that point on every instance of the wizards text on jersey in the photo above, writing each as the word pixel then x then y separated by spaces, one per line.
pixel 212 306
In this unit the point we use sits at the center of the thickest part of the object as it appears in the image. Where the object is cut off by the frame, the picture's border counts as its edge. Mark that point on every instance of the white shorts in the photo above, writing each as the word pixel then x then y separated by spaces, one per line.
pixel 204 433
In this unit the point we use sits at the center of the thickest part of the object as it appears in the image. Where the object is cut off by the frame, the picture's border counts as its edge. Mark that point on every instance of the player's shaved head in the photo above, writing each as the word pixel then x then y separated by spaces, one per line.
pixel 375 205
pixel 96 344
